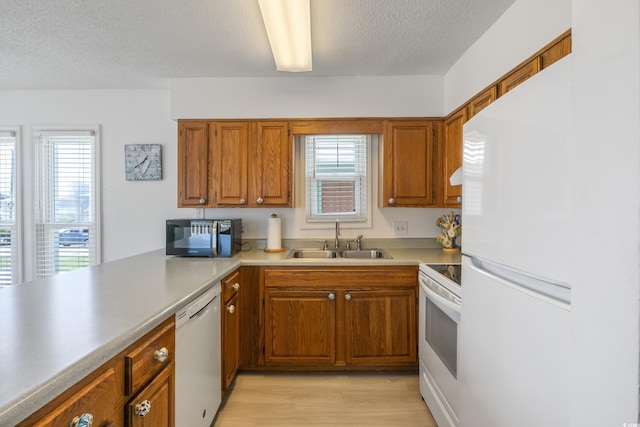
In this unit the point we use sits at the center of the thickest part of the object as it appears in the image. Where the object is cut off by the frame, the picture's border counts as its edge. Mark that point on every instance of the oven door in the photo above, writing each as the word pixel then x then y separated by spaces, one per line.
pixel 439 314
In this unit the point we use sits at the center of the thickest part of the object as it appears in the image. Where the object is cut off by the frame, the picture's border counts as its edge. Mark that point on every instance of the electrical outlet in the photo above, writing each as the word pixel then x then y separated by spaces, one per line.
pixel 199 213
pixel 400 228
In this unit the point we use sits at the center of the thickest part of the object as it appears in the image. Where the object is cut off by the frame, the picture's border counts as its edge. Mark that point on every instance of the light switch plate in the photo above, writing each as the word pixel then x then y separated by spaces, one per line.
pixel 400 228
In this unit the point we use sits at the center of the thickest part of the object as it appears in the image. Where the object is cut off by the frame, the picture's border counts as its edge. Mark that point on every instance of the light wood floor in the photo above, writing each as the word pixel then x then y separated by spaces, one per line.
pixel 343 399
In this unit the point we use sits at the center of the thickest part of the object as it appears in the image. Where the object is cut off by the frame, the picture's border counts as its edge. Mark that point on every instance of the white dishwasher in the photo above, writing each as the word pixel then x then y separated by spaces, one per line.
pixel 198 367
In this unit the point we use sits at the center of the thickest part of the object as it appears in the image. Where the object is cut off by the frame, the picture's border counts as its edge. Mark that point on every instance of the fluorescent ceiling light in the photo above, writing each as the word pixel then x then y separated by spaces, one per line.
pixel 288 24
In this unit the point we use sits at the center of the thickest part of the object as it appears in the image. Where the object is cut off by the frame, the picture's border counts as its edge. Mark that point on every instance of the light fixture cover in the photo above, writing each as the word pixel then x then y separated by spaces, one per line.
pixel 288 25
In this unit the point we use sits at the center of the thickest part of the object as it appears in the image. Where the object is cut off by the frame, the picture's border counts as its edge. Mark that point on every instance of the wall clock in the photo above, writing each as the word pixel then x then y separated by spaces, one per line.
pixel 143 162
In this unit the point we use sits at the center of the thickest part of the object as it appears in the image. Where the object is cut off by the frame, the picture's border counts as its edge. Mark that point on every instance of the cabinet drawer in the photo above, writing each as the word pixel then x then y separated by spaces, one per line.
pixel 342 277
pixel 145 360
pixel 230 285
pixel 99 398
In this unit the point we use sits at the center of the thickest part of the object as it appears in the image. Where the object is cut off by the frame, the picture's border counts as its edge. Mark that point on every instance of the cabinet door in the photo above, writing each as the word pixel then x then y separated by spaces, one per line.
pixel 231 173
pixel 98 398
pixel 230 340
pixel 270 165
pixel 193 164
pixel 453 156
pixel 154 405
pixel 380 327
pixel 408 150
pixel 300 327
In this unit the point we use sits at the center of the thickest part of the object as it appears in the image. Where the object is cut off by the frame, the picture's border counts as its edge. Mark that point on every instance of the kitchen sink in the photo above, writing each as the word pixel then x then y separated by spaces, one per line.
pixel 312 253
pixel 330 253
pixel 365 254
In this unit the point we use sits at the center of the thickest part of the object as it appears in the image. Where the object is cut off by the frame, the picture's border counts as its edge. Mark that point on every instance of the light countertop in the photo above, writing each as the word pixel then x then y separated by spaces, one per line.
pixel 55 331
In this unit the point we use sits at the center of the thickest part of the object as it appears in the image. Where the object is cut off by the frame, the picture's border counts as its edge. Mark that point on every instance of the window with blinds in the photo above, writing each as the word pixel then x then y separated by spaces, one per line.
pixel 9 261
pixel 336 177
pixel 66 197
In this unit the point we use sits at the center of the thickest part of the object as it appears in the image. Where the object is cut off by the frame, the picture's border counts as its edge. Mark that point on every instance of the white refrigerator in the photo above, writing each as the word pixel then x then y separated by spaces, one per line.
pixel 513 337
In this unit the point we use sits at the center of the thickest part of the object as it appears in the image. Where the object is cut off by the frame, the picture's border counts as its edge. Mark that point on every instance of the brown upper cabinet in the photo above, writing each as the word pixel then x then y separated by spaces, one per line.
pixel 234 164
pixel 193 164
pixel 480 101
pixel 519 75
pixel 407 155
pixel 453 156
pixel 230 163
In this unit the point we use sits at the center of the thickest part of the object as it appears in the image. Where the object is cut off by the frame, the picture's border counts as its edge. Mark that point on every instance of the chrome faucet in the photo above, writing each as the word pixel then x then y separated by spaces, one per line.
pixel 359 242
pixel 337 234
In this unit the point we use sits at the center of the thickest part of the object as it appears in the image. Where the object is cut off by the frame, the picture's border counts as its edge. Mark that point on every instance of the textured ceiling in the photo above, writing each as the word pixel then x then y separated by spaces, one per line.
pixel 141 44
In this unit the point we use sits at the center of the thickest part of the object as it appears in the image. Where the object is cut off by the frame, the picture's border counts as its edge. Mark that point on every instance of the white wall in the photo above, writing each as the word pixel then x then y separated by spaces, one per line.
pixel 524 28
pixel 133 213
pixel 306 97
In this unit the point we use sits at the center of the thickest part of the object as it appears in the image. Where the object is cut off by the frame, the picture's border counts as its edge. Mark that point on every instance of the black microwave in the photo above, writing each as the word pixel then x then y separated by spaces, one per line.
pixel 204 237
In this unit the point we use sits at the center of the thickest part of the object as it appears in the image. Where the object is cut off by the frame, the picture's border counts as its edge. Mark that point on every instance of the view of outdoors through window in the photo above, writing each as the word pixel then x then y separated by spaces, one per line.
pixel 336 172
pixel 65 191
pixel 8 243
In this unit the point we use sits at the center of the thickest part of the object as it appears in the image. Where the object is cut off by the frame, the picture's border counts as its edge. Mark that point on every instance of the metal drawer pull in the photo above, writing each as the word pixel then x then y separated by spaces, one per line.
pixel 142 408
pixel 84 420
pixel 347 297
pixel 161 355
pixel 331 296
pixel 231 309
pixel 236 286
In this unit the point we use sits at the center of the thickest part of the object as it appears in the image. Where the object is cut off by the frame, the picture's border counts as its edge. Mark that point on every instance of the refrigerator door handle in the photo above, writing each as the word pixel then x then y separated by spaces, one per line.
pixel 555 292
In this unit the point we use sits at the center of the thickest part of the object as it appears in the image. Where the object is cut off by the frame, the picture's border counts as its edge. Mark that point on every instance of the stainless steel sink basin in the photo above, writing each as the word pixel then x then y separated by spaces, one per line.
pixel 331 253
pixel 312 253
pixel 365 254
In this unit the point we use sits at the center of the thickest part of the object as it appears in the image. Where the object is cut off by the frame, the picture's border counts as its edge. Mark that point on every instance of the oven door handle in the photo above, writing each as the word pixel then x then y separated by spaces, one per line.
pixel 450 308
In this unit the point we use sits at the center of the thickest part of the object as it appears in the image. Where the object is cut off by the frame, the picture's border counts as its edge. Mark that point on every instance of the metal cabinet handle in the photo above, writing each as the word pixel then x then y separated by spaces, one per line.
pixel 161 354
pixel 259 200
pixel 84 420
pixel 143 408
pixel 202 201
pixel 243 201
pixel 331 296
pixel 392 201
pixel 347 297
pixel 236 286
pixel 231 309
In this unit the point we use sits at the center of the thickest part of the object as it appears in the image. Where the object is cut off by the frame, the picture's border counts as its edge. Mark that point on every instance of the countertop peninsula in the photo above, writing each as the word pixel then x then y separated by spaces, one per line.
pixel 57 330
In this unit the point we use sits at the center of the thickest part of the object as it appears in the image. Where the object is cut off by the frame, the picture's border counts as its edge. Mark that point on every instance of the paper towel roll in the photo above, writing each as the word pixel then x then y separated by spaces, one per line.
pixel 273 234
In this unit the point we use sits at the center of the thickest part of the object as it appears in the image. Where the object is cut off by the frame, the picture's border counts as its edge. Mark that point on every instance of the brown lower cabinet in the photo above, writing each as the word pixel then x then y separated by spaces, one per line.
pixel 135 388
pixel 349 317
pixel 154 404
pixel 231 312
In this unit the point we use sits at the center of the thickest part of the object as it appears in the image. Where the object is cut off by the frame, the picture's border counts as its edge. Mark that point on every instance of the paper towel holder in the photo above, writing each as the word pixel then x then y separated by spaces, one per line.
pixel 267 249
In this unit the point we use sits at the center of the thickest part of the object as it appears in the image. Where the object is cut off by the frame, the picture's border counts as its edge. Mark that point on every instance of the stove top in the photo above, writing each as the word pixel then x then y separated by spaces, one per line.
pixel 450 271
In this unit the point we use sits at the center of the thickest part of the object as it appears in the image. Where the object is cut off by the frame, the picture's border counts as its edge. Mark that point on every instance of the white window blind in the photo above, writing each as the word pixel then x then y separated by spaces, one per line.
pixel 66 217
pixel 9 262
pixel 336 177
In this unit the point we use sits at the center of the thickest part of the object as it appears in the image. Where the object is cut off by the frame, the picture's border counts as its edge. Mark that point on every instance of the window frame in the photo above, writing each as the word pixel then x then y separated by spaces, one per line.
pixel 37 132
pixel 329 221
pixel 17 249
